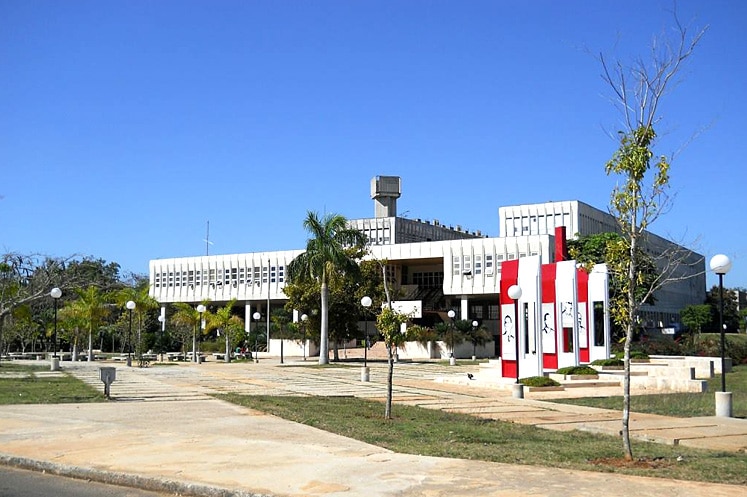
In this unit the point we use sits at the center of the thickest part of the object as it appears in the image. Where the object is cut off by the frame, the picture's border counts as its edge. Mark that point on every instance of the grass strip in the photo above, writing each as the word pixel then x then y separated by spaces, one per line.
pixel 428 432
pixel 681 405
pixel 21 384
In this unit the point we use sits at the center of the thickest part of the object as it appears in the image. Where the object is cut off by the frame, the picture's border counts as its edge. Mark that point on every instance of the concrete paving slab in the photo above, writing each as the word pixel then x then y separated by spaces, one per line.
pixel 196 445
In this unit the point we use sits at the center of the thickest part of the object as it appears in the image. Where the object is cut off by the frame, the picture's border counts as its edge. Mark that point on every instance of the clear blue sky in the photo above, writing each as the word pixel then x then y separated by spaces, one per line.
pixel 126 125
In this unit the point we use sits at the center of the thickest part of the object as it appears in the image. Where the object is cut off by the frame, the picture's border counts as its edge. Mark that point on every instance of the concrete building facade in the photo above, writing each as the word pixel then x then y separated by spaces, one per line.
pixel 438 268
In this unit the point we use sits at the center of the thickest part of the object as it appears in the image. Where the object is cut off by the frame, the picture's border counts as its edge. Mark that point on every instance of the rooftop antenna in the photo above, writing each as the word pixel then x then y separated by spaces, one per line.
pixel 207 240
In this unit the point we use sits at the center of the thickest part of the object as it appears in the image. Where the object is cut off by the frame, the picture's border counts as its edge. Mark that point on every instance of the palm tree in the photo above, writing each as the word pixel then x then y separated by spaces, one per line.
pixel 92 307
pixel 225 321
pixel 71 321
pixel 477 334
pixel 144 304
pixel 325 253
pixel 189 317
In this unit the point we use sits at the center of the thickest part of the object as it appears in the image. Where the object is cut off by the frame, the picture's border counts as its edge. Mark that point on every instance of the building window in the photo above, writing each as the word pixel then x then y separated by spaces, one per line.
pixel 457 265
pixel 428 279
pixel 493 311
pixel 478 264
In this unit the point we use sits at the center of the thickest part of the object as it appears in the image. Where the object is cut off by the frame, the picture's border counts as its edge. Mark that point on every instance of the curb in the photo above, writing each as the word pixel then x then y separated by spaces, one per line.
pixel 124 479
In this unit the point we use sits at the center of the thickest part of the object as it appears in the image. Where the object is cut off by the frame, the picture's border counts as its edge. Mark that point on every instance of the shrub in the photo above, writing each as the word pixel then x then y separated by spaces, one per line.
pixel 634 354
pixel 613 362
pixel 577 370
pixel 736 347
pixel 539 381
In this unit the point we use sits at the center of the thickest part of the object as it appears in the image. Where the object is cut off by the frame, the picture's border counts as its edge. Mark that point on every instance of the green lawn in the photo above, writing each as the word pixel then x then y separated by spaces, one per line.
pixel 416 430
pixel 21 384
pixel 683 405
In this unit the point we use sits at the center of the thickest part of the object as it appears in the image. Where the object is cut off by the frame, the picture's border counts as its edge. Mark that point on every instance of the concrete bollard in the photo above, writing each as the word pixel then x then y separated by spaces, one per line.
pixel 723 404
pixel 365 373
pixel 54 364
pixel 517 391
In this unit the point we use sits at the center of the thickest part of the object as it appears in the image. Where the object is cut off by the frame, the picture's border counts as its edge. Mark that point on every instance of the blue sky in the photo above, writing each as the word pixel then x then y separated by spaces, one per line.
pixel 126 126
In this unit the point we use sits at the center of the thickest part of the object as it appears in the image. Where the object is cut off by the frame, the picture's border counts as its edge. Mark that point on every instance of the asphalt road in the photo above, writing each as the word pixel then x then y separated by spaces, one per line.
pixel 24 483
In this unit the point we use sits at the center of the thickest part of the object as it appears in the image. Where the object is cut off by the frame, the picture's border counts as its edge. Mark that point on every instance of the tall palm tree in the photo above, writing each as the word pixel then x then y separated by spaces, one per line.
pixel 189 317
pixel 231 325
pixel 144 304
pixel 325 253
pixel 92 306
pixel 72 322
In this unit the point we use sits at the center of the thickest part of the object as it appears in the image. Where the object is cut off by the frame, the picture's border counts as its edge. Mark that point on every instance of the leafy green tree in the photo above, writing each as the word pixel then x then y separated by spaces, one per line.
pixel 389 323
pixel 600 249
pixel 731 309
pixel 27 279
pixel 695 317
pixel 20 327
pixel 640 196
pixel 325 253
pixel 282 329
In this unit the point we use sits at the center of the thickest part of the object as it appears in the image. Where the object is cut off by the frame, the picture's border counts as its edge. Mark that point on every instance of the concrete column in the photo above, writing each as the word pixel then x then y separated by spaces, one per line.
pixel 248 317
pixel 723 404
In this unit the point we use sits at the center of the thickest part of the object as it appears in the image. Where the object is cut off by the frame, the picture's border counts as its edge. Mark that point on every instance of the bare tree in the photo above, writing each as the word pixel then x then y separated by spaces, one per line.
pixel 642 194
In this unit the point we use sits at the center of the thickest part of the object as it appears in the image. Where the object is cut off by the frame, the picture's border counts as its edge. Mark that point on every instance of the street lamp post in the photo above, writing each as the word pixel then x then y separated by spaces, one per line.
pixel 452 359
pixel 162 320
pixel 514 293
pixel 256 317
pixel 365 372
pixel 720 264
pixel 130 306
pixel 195 356
pixel 304 318
pixel 475 324
pixel 56 293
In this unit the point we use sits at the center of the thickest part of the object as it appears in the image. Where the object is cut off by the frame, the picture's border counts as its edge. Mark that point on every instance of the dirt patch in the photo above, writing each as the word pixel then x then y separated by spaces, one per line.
pixel 637 463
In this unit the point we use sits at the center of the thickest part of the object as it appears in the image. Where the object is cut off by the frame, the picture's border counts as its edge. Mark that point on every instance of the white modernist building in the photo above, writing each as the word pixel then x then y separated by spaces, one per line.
pixel 439 268
pixel 688 285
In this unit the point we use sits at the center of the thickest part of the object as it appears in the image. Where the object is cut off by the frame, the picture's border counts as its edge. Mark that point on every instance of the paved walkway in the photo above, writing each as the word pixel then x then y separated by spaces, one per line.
pixel 165 432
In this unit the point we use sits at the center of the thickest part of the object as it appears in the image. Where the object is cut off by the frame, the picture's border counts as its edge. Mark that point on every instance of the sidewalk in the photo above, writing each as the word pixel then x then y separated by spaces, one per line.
pixel 163 432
